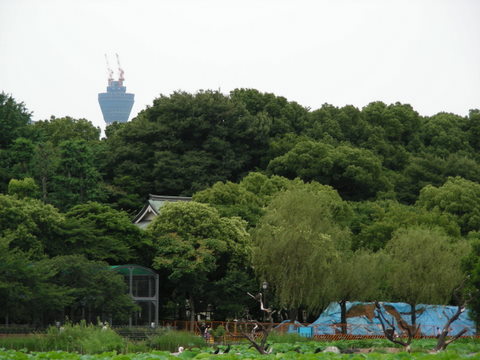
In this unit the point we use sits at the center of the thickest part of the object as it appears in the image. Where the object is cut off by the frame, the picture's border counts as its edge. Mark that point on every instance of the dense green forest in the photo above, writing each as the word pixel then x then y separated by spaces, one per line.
pixel 332 204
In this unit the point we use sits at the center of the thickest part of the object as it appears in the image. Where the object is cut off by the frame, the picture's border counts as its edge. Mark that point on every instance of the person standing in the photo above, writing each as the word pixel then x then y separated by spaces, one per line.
pixel 206 333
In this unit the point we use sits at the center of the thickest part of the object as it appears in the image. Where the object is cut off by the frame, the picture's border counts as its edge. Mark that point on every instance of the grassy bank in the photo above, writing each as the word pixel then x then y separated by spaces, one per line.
pixel 91 339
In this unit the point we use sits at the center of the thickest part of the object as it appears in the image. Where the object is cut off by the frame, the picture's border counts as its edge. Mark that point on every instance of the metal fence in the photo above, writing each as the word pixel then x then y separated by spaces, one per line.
pixel 327 332
pixel 234 329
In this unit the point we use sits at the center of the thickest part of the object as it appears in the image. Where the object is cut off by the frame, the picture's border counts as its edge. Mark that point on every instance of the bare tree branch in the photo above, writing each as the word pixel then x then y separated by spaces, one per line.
pixel 258 330
pixel 442 343
pixel 411 330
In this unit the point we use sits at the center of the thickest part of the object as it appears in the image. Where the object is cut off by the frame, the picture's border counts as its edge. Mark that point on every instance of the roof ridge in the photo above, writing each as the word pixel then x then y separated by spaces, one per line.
pixel 168 197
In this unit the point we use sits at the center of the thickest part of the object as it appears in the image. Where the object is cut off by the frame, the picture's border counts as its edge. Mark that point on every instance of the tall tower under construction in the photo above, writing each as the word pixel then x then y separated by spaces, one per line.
pixel 116 103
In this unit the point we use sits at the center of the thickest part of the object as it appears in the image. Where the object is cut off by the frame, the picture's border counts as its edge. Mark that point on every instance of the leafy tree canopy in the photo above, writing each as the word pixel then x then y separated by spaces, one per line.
pixel 277 112
pixel 57 130
pixel 30 225
pixel 23 188
pixel 458 197
pixel 356 173
pixel 357 276
pixel 14 118
pixel 232 199
pixel 92 285
pixel 26 289
pixel 77 179
pixel 473 129
pixel 195 246
pixel 19 157
pixel 44 166
pixel 185 142
pixel 428 169
pixel 425 265
pixel 265 187
pixel 296 243
pixel 103 234
pixel 374 223
pixel 399 122
pixel 445 133
pixel 198 233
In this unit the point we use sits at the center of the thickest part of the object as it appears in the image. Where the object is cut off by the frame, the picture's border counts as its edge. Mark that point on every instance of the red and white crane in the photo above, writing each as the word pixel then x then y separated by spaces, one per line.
pixel 110 71
pixel 120 71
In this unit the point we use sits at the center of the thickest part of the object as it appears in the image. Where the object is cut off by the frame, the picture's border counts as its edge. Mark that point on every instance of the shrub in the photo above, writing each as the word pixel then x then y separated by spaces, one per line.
pixel 83 338
pixel 136 347
pixel 33 342
pixel 171 340
pixel 138 332
pixel 219 332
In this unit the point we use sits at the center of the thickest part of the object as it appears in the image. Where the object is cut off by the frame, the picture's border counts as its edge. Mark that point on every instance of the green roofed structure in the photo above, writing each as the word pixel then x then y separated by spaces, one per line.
pixel 152 208
pixel 143 286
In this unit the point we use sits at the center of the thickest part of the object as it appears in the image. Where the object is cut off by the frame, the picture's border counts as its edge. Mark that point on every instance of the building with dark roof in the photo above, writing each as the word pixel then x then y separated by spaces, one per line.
pixel 153 206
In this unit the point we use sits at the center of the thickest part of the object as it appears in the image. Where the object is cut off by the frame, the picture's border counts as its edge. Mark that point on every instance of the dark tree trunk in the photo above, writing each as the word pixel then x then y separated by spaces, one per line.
pixel 343 316
pixel 389 328
pixel 413 314
pixel 442 342
pixel 192 313
pixel 257 333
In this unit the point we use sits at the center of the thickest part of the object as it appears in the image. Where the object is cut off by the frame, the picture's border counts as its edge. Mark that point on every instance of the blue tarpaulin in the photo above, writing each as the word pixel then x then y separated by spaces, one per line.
pixel 362 319
pixel 291 327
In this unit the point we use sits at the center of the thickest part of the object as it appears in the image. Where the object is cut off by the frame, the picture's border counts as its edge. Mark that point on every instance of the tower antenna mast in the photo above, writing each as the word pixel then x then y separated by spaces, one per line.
pixel 120 70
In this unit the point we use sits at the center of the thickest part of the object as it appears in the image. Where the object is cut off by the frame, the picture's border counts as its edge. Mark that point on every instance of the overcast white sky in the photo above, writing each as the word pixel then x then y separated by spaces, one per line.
pixel 422 52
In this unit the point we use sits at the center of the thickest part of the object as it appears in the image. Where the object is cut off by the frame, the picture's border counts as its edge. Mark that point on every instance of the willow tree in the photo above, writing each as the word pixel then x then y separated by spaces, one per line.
pixel 425 266
pixel 298 242
pixel 357 277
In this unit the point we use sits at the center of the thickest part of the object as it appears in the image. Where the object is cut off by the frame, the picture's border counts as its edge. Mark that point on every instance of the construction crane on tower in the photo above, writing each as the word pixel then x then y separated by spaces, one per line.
pixel 121 78
pixel 110 71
